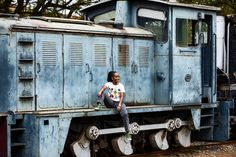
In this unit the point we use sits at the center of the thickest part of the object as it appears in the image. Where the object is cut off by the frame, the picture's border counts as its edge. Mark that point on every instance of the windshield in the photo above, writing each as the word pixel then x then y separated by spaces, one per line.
pixel 154 20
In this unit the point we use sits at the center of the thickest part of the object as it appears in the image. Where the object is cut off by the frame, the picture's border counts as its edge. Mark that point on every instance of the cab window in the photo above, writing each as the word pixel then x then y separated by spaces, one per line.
pixel 186 32
pixel 107 16
pixel 155 21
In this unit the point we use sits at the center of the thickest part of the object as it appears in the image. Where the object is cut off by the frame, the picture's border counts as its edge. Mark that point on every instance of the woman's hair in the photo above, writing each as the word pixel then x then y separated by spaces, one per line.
pixel 109 76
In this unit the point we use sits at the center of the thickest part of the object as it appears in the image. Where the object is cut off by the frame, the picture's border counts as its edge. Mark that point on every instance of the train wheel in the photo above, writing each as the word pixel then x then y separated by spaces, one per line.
pixel 122 146
pixel 159 140
pixel 80 148
pixel 183 137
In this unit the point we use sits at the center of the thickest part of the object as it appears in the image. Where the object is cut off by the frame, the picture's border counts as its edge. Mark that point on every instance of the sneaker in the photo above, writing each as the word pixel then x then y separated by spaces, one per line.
pixel 128 136
pixel 98 107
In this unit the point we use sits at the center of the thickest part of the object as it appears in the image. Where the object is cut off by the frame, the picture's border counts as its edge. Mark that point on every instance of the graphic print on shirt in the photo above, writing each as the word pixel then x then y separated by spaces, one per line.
pixel 110 93
pixel 114 90
pixel 114 93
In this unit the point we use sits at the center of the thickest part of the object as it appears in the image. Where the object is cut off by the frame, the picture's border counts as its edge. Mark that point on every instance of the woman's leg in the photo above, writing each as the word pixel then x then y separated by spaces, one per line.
pixel 100 99
pixel 108 102
pixel 111 104
pixel 125 117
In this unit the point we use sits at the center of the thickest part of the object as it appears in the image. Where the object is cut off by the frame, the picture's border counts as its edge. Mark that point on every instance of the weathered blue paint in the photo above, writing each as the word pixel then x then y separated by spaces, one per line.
pixel 49 71
pixel 25 71
pixel 143 62
pixel 76 71
pixel 125 69
pixel 196 114
pixel 100 62
pixel 45 136
pixel 7 70
pixel 70 62
pixel 222 121
pixel 123 13
pixel 31 135
pixel 186 60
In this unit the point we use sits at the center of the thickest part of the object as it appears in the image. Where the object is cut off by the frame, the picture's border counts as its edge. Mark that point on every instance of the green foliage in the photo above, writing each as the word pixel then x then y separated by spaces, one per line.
pixel 227 6
pixel 56 8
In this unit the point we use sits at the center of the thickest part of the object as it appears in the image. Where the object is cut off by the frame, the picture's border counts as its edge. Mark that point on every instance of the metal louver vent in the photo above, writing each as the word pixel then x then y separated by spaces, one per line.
pixel 76 54
pixel 143 56
pixel 123 57
pixel 49 53
pixel 100 54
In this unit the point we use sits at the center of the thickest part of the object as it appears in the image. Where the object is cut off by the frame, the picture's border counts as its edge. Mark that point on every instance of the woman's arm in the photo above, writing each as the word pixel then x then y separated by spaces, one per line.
pixel 120 102
pixel 101 91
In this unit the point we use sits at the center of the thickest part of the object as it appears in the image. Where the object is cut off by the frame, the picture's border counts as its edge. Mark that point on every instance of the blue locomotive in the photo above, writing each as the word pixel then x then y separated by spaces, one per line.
pixel 51 70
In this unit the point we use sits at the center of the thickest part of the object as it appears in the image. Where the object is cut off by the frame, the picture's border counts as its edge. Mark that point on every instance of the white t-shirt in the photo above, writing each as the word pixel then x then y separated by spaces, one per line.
pixel 115 90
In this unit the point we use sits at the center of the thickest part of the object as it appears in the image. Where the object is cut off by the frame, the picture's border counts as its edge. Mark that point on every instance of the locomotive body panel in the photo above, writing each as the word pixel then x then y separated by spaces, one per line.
pixel 8 69
pixel 49 71
pixel 76 69
pixel 186 60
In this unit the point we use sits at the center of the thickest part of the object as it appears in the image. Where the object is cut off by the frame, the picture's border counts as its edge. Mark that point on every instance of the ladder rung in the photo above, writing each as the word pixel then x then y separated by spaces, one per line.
pixel 17 144
pixel 19 116
pixel 207 115
pixel 18 129
pixel 206 127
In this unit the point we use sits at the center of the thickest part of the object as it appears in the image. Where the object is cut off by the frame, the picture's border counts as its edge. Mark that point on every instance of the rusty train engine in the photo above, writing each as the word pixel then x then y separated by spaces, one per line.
pixel 52 68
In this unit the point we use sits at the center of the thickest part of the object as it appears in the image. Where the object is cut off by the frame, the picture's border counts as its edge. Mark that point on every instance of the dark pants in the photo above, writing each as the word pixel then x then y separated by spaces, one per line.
pixel 113 104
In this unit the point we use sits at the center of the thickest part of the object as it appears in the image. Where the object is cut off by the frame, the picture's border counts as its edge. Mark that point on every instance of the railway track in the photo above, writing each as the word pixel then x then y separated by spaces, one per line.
pixel 198 149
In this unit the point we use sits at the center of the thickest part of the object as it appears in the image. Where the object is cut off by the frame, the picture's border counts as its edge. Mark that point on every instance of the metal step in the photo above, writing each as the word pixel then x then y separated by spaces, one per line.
pixel 17 138
pixel 206 127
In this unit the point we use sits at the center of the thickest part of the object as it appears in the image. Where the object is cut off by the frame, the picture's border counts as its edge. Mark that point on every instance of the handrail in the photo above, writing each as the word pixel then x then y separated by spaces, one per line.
pixel 62 20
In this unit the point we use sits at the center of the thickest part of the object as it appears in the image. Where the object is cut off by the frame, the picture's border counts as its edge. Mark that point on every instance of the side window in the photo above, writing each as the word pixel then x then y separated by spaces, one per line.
pixel 186 32
pixel 110 15
pixel 155 21
pixel 205 33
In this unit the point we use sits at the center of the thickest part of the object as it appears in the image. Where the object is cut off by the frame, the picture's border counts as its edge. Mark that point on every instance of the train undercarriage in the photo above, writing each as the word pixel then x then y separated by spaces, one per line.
pixel 72 133
pixel 104 136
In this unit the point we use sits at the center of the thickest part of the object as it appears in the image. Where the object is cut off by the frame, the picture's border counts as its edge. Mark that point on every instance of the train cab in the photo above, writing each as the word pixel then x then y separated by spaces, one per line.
pixel 184 46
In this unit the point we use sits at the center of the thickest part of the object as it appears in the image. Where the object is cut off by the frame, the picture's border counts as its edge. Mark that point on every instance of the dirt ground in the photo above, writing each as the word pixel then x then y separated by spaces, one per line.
pixel 223 150
pixel 207 151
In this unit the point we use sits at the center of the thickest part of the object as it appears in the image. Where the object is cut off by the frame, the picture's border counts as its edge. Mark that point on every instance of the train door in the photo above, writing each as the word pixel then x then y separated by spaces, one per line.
pixel 143 69
pixel 208 68
pixel 123 62
pixel 49 75
pixel 76 71
pixel 186 58
pixel 99 64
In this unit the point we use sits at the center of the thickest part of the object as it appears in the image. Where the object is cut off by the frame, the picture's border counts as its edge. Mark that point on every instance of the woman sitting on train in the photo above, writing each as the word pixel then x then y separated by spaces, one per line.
pixel 114 99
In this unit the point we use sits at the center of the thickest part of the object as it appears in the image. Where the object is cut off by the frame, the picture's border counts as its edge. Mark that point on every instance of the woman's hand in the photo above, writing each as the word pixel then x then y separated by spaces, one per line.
pixel 101 91
pixel 99 94
pixel 118 108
